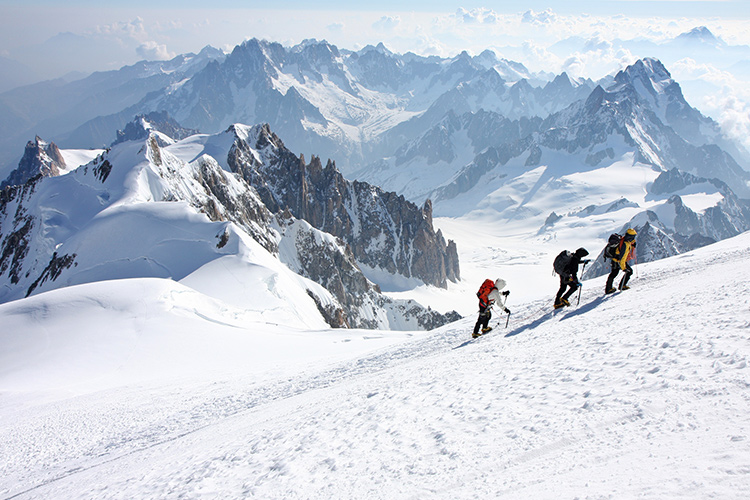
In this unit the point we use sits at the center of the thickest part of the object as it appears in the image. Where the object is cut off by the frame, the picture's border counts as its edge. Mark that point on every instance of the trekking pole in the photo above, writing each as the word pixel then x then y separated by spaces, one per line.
pixel 507 320
pixel 580 286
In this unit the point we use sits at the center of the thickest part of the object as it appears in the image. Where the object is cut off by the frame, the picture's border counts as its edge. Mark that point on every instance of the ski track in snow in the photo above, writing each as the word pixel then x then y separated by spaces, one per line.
pixel 555 406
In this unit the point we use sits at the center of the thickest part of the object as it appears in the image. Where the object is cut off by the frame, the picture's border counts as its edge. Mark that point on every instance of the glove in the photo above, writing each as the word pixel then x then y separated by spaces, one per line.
pixel 507 310
pixel 585 261
pixel 506 292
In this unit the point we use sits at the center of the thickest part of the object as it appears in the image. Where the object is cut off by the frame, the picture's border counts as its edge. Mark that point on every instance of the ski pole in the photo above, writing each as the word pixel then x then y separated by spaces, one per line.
pixel 507 320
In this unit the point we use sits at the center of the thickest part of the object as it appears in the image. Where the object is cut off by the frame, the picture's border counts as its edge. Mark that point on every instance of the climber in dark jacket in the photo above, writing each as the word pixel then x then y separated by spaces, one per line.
pixel 568 271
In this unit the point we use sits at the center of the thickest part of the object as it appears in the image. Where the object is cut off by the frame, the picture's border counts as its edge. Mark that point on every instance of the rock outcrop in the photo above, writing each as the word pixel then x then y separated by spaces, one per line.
pixel 39 158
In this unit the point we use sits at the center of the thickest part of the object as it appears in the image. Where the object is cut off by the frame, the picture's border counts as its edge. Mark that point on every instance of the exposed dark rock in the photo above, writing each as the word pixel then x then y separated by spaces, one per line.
pixel 52 271
pixel 383 229
pixel 102 171
pixel 38 158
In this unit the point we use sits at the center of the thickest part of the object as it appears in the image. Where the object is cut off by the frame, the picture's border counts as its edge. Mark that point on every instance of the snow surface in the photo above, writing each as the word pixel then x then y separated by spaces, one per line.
pixel 74 158
pixel 145 388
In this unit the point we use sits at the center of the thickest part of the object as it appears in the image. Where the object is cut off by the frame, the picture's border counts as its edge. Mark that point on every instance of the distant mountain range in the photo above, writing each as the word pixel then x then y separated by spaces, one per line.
pixel 458 137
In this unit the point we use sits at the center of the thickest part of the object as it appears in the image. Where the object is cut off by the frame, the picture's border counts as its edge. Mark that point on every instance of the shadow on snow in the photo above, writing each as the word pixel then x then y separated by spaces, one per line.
pixel 565 314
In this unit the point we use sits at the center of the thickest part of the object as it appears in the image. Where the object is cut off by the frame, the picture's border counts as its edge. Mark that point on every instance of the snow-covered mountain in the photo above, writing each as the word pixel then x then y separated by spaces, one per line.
pixel 324 101
pixel 456 136
pixel 145 388
pixel 157 207
pixel 595 159
pixel 205 271
pixel 633 115
pixel 141 127
pixel 71 114
pixel 671 226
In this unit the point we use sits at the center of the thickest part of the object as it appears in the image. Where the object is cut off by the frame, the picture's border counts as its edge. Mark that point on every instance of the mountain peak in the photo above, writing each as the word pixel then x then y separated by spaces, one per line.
pixel 157 121
pixel 383 49
pixel 562 80
pixel 701 35
pixel 649 72
pixel 39 158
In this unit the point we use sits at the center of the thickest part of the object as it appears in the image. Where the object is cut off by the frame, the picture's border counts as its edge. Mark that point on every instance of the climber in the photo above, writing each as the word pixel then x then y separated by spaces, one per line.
pixel 489 294
pixel 566 265
pixel 620 253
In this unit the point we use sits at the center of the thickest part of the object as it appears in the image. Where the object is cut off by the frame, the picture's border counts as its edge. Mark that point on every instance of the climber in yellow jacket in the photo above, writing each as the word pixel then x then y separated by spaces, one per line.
pixel 619 255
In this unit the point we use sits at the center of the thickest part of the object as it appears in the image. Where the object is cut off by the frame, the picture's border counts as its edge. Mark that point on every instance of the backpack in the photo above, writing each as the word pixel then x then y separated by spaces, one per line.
pixel 485 290
pixel 613 246
pixel 561 261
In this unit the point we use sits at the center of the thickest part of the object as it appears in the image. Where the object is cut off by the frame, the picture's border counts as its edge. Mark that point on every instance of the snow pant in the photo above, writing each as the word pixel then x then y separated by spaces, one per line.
pixel 613 273
pixel 485 313
pixel 565 282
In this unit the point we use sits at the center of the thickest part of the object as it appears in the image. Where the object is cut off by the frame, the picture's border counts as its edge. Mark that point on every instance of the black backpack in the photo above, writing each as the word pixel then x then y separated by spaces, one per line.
pixel 613 246
pixel 561 261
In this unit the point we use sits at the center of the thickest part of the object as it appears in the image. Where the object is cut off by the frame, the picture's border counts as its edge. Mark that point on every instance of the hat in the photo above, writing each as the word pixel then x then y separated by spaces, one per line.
pixel 582 252
pixel 631 232
pixel 499 283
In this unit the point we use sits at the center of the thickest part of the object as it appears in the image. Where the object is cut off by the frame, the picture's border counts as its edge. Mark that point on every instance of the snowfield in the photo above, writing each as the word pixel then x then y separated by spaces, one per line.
pixel 144 388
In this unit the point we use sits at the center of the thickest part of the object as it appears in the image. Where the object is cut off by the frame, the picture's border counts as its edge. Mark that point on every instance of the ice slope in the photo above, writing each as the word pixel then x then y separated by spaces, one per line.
pixel 641 394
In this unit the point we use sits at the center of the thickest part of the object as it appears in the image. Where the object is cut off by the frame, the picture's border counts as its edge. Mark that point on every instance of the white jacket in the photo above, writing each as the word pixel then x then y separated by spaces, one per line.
pixel 495 297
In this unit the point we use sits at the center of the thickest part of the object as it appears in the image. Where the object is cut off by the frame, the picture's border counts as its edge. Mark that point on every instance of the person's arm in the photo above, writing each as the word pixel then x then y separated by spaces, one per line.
pixel 504 297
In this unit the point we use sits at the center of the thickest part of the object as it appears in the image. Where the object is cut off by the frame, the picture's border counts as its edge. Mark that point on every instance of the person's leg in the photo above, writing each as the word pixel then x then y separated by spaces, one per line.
pixel 561 290
pixel 478 324
pixel 482 320
pixel 573 288
pixel 611 278
pixel 624 281
pixel 486 321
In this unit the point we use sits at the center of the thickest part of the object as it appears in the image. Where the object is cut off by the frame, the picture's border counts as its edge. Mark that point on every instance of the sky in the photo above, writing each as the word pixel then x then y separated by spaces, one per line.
pixel 87 35
pixel 43 39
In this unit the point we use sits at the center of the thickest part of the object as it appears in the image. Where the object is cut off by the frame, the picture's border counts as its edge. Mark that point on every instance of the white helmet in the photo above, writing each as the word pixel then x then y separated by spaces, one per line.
pixel 499 283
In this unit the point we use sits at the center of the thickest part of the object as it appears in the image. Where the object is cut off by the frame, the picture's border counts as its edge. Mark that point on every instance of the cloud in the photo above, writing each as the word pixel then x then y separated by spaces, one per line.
pixel 537 56
pixel 719 94
pixel 153 51
pixel 387 23
pixel 735 118
pixel 544 17
pixel 134 30
pixel 477 16
pixel 595 64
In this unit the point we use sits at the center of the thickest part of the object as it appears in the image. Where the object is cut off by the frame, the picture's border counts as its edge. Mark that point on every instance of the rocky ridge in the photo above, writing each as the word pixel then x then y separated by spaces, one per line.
pixel 39 158
pixel 37 254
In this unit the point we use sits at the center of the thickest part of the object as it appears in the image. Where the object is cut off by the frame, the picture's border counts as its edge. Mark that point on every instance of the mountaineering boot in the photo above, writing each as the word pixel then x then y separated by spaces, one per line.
pixel 476 335
pixel 560 304
pixel 610 290
pixel 486 329
pixel 624 287
pixel 565 302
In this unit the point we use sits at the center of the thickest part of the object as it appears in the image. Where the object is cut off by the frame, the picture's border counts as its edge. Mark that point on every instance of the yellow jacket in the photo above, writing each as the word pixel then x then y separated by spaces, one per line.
pixel 626 253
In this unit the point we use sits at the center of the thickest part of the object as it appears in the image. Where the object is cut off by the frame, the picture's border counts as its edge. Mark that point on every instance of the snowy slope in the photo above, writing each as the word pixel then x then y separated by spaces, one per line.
pixel 642 394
